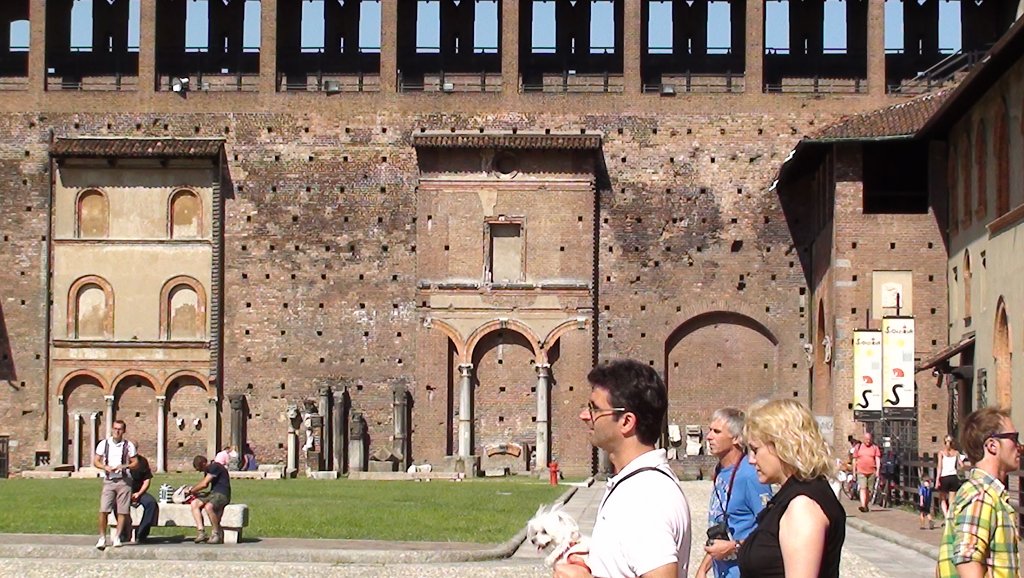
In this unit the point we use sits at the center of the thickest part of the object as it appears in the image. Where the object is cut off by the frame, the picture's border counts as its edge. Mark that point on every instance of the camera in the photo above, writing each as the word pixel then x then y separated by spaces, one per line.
pixel 719 531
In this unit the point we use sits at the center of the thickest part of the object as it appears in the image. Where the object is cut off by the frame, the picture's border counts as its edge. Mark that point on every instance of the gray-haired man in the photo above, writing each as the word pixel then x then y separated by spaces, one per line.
pixel 737 498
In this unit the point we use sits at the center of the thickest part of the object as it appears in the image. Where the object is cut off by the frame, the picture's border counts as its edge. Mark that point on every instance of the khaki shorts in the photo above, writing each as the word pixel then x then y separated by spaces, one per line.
pixel 866 481
pixel 217 499
pixel 116 496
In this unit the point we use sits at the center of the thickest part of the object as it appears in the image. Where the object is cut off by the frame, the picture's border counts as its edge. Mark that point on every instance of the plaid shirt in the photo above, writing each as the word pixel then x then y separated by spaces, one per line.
pixel 982 527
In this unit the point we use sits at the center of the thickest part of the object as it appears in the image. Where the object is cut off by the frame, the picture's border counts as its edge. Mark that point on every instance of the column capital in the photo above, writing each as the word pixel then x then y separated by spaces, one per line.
pixel 466 369
pixel 237 401
pixel 161 398
pixel 60 399
pixel 213 400
pixel 94 415
pixel 109 398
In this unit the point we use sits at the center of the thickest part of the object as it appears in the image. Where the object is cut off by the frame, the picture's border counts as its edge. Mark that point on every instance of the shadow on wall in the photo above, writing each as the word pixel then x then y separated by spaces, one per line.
pixel 7 371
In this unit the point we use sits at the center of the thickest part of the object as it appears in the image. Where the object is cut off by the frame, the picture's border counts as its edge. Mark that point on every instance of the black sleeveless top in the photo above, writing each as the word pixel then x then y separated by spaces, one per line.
pixel 761 555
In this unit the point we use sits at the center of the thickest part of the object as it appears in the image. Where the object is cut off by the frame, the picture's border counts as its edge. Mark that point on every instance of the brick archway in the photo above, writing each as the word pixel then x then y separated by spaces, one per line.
pixel 1002 356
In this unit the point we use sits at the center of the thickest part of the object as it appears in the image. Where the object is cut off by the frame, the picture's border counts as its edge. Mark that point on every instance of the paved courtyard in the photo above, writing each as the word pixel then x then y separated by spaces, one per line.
pixel 864 556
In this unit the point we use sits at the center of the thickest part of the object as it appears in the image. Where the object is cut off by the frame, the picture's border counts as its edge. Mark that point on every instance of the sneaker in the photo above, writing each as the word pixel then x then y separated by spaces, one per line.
pixel 117 542
pixel 101 543
pixel 862 508
pixel 216 538
pixel 201 537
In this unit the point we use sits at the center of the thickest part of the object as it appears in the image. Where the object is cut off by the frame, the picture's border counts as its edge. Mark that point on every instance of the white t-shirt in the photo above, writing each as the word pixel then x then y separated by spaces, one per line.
pixel 115 455
pixel 643 525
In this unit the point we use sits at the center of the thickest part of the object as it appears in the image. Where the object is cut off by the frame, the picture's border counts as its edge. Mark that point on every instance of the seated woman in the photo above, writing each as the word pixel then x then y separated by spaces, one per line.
pixel 800 533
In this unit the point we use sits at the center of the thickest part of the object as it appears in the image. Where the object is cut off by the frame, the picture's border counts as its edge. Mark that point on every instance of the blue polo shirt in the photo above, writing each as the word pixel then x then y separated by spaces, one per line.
pixel 749 497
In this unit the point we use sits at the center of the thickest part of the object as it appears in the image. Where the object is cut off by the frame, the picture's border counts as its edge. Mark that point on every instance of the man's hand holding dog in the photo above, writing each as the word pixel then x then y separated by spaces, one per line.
pixel 575 567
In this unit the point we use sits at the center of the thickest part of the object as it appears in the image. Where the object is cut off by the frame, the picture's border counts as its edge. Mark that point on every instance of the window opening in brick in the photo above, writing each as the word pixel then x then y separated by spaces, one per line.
pixel 602 27
pixel 834 26
pixel 485 27
pixel 428 27
pixel 776 29
pixel 505 252
pixel 185 314
pixel 213 44
pixel 543 27
pixel 895 188
pixel 659 27
pixel 91 313
pixel 186 215
pixel 719 28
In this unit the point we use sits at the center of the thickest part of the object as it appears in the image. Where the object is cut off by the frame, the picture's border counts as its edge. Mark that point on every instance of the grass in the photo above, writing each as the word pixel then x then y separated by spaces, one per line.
pixel 481 511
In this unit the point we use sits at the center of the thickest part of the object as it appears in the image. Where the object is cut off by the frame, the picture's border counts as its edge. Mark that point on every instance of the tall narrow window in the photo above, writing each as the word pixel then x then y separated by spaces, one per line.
pixel 428 27
pixel 184 314
pixel 81 25
pixel 92 215
pixel 369 26
pixel 90 312
pixel 776 29
pixel 186 215
pixel 953 183
pixel 485 28
pixel 542 29
pixel 1001 141
pixel 981 169
pixel 505 255
pixel 967 209
pixel 834 27
pixel 602 27
pixel 659 27
pixel 968 278
pixel 19 36
pixel 893 26
pixel 950 27
pixel 719 28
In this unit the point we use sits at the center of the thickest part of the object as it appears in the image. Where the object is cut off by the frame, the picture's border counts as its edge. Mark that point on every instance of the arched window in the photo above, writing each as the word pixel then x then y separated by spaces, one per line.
pixel 91 215
pixel 966 206
pixel 183 310
pixel 91 309
pixel 981 169
pixel 1001 138
pixel 953 182
pixel 186 212
pixel 967 288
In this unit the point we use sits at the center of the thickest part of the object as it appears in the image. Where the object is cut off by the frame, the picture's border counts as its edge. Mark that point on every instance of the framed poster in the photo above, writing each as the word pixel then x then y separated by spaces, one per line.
pixel 898 387
pixel 867 375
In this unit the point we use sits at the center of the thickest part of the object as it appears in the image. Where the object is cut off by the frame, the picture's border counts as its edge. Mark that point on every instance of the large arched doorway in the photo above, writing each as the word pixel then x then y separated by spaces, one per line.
pixel 718 359
pixel 505 406
pixel 83 401
pixel 1002 356
pixel 135 404
pixel 188 417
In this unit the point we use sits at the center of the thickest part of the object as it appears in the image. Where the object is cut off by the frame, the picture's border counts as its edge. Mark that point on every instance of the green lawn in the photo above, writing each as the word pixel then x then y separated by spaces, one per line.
pixel 482 511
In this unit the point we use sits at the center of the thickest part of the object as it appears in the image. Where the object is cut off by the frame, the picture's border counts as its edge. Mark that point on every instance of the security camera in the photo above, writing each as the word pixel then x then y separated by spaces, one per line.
pixel 180 85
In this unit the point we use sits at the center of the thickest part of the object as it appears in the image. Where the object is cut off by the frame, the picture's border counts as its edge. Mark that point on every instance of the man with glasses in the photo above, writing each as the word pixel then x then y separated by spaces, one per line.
pixel 114 456
pixel 980 536
pixel 643 522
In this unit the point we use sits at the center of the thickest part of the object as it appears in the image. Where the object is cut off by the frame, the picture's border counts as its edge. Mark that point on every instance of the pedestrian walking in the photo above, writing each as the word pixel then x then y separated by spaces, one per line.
pixel 867 459
pixel 947 468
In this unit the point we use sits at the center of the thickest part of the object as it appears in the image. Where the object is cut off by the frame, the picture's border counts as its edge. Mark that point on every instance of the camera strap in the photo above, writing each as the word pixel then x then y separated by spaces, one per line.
pixel 630 475
pixel 728 494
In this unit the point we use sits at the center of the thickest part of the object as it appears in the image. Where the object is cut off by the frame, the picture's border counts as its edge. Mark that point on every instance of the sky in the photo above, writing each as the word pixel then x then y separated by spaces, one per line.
pixel 542 27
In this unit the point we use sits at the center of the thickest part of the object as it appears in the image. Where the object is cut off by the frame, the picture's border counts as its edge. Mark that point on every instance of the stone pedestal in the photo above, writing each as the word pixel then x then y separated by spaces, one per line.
pixel 388 466
pixel 469 465
pixel 356 455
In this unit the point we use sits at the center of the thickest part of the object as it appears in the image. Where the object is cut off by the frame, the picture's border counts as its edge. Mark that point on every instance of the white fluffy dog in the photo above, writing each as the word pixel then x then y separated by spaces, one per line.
pixel 551 527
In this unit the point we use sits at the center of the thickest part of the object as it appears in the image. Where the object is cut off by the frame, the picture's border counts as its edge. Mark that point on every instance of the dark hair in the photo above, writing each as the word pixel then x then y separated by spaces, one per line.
pixel 977 427
pixel 638 388
pixel 199 463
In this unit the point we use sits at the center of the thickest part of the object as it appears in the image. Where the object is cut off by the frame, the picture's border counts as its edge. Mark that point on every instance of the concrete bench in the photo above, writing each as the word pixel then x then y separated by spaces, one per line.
pixel 234 518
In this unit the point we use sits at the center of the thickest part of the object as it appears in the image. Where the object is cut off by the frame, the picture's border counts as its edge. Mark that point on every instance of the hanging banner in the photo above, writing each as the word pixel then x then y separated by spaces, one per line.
pixel 899 395
pixel 867 375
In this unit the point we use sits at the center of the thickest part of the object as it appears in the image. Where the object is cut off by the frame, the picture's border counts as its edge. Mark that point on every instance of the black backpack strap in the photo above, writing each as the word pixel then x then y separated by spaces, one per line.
pixel 630 475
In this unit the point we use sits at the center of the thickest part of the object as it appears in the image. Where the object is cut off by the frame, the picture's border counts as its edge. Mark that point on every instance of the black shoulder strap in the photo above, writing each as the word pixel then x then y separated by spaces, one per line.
pixel 630 475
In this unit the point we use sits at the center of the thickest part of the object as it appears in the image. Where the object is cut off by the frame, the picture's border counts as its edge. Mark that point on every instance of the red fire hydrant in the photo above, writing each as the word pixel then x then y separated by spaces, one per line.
pixel 553 473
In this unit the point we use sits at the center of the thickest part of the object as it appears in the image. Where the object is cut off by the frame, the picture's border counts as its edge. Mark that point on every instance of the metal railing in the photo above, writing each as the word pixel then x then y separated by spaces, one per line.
pixel 939 74
pixel 569 81
pixel 452 82
pixel 818 85
pixel 726 82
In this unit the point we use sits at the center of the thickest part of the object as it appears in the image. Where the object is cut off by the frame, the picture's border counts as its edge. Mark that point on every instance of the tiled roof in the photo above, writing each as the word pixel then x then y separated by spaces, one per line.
pixel 136 148
pixel 507 141
pixel 903 119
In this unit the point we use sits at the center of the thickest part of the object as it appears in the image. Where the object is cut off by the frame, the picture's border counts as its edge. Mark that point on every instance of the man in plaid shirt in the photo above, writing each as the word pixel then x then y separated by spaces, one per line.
pixel 980 537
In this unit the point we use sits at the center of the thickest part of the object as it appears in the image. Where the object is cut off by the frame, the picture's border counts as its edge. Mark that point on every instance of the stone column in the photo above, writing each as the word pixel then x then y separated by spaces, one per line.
pixel 109 417
pixel 876 47
pixel 147 46
pixel 753 76
pixel 237 403
pixel 325 432
pixel 337 430
pixel 543 446
pixel 465 410
pixel 76 441
pixel 292 442
pixel 213 424
pixel 509 47
pixel 59 443
pixel 632 50
pixel 37 49
pixel 388 46
pixel 93 434
pixel 161 433
pixel 399 407
pixel 268 47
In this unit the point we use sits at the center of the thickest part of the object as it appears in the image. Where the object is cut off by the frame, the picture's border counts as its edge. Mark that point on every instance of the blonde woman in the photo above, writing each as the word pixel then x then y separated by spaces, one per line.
pixel 800 533
pixel 947 467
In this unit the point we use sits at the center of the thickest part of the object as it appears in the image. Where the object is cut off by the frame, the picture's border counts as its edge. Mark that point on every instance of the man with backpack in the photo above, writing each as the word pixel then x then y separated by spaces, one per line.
pixel 115 456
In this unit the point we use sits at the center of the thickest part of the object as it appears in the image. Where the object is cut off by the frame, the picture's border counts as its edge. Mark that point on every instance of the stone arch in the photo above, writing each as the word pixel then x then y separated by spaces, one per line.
pixel 551 340
pixel 499 325
pixel 504 391
pixel 1001 144
pixel 199 378
pixel 135 404
pixel 188 400
pixel 184 215
pixel 90 314
pixel 715 359
pixel 1002 356
pixel 981 168
pixel 83 392
pixel 92 215
pixel 188 321
pixel 968 281
pixel 453 335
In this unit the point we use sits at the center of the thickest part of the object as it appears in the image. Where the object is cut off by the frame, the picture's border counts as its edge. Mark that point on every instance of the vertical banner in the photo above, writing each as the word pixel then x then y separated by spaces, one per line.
pixel 867 375
pixel 898 388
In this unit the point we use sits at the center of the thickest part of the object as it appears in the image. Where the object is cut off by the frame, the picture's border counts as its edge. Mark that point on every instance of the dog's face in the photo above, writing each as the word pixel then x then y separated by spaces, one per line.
pixel 552 527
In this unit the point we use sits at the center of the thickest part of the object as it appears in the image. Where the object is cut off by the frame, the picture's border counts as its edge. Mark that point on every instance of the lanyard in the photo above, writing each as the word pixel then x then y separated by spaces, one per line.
pixel 728 495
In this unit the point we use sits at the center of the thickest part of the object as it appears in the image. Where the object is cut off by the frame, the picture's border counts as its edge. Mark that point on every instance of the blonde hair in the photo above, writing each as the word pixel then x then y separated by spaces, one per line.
pixel 791 429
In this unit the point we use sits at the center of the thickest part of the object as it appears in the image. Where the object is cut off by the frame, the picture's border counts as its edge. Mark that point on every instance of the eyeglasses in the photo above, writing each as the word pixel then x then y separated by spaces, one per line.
pixel 1013 436
pixel 591 408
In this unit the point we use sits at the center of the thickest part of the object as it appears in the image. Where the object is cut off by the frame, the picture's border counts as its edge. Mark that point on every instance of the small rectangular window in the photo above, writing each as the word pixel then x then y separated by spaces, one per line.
pixel 505 254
